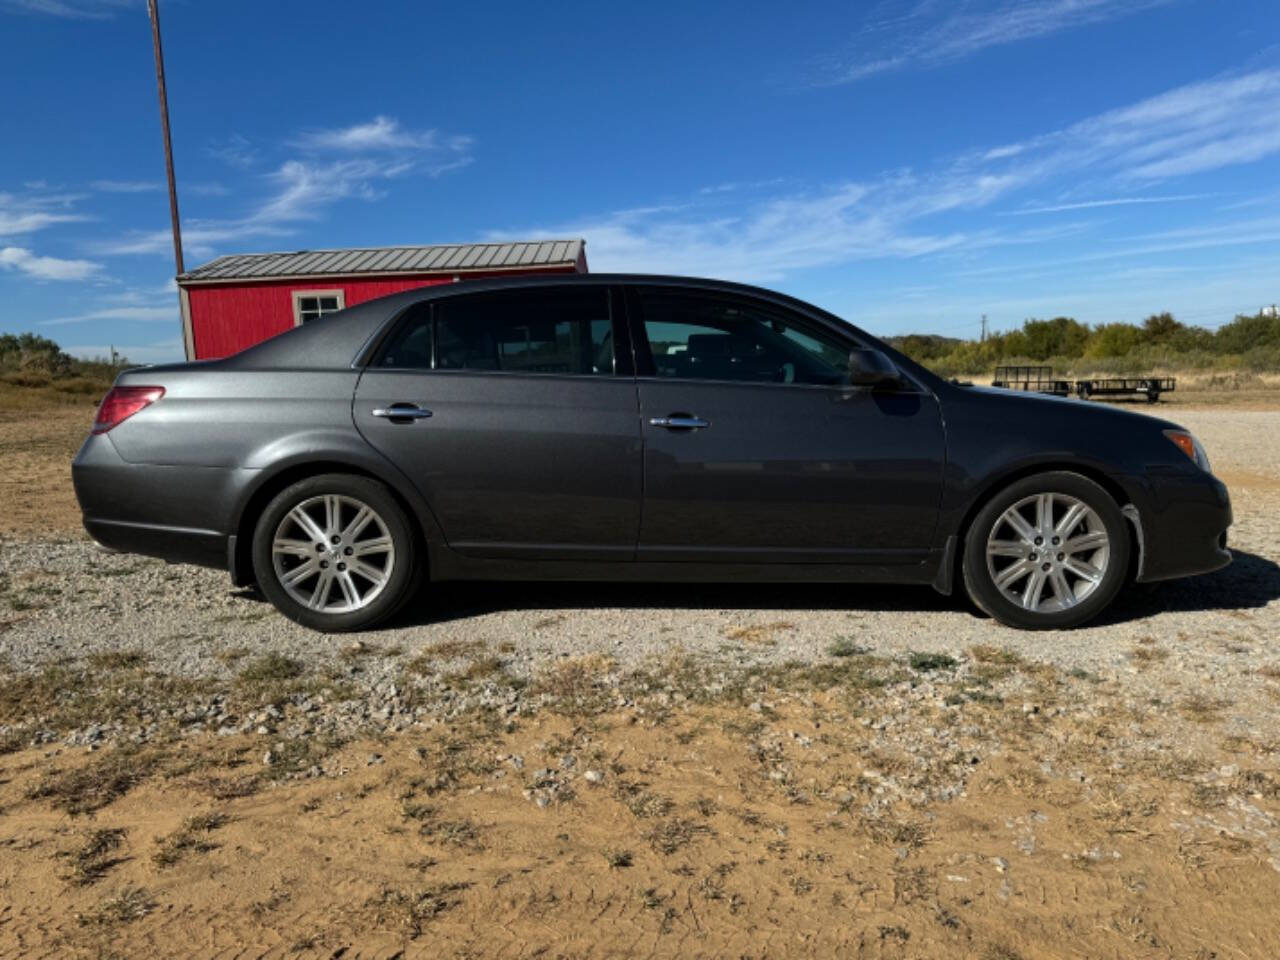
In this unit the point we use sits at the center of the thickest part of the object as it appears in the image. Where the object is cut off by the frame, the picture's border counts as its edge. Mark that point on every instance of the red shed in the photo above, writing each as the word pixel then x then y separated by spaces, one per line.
pixel 238 300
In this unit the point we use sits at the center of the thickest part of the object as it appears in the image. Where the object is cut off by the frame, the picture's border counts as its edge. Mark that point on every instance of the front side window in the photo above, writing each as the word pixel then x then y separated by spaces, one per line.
pixel 703 337
pixel 310 304
pixel 555 331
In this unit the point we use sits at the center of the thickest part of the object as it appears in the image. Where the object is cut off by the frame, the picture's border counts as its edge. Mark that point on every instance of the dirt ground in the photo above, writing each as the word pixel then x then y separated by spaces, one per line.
pixel 989 805
pixel 688 844
pixel 36 447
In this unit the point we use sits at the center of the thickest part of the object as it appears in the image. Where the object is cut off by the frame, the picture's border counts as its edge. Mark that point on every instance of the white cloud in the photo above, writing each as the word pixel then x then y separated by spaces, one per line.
pixel 380 134
pixel 763 243
pixel 132 314
pixel 931 33
pixel 235 151
pixel 46 268
pixel 127 186
pixel 1114 202
pixel 69 9
pixel 303 189
pixel 36 210
pixel 12 224
pixel 899 213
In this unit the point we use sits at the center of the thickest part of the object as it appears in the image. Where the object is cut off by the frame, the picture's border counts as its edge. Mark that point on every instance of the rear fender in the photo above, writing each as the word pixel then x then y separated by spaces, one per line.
pixel 295 457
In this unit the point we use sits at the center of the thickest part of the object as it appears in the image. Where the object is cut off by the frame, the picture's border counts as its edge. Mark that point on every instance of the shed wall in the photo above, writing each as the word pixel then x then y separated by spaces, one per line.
pixel 227 317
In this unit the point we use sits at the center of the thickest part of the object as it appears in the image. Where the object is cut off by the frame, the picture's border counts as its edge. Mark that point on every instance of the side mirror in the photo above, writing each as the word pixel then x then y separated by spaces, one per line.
pixel 871 368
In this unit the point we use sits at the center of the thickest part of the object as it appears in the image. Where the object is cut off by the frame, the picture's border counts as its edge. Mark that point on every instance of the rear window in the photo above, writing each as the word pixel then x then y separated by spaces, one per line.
pixel 558 330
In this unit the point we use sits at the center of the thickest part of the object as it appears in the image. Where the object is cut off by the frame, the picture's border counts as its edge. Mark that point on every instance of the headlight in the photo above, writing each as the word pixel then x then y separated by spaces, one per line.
pixel 1191 447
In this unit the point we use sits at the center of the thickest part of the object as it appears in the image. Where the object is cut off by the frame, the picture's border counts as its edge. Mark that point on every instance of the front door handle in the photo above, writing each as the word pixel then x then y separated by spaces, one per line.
pixel 679 421
pixel 402 412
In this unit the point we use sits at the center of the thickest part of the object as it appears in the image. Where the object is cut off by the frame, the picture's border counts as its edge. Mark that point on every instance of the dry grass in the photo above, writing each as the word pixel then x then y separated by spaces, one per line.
pixel 1145 656
pixel 1201 708
pixel 414 910
pixel 986 653
pixel 117 659
pixel 672 835
pixel 577 685
pixel 845 647
pixel 925 662
pixel 191 837
pixel 131 903
pixel 483 669
pixel 98 783
pixel 68 697
pixel 92 858
pixel 619 859
pixel 759 634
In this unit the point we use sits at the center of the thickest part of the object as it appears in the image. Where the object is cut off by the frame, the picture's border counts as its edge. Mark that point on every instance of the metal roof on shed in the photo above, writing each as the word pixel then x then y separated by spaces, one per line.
pixel 444 257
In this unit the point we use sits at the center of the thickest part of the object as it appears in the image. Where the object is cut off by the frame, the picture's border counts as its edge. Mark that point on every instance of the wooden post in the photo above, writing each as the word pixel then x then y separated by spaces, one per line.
pixel 154 13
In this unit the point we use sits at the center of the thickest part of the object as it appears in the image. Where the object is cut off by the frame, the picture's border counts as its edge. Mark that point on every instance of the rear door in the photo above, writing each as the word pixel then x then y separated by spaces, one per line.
pixel 756 448
pixel 514 417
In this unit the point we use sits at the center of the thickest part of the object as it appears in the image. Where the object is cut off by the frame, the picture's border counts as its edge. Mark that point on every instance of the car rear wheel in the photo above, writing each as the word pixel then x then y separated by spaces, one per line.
pixel 335 553
pixel 1050 551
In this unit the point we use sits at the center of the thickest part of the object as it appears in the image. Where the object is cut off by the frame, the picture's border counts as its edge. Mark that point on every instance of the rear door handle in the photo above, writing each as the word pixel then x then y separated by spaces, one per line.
pixel 679 421
pixel 402 412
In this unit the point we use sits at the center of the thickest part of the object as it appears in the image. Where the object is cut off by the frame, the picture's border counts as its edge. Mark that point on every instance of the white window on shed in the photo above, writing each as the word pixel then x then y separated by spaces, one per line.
pixel 310 304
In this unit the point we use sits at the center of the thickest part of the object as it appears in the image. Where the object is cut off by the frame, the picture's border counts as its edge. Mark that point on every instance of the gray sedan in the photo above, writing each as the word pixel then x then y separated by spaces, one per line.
pixel 626 427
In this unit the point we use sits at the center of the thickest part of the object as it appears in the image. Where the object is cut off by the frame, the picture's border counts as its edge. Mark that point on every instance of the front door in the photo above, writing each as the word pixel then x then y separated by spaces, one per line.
pixel 506 410
pixel 757 450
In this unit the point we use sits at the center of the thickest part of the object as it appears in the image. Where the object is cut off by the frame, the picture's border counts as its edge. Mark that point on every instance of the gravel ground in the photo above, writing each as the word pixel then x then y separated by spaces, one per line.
pixel 70 603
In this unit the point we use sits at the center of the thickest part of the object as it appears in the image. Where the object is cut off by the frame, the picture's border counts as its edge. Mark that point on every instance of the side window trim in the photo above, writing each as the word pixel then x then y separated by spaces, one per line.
pixel 644 365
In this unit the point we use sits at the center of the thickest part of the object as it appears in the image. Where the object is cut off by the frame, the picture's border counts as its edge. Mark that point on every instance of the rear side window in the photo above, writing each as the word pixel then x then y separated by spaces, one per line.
pixel 558 330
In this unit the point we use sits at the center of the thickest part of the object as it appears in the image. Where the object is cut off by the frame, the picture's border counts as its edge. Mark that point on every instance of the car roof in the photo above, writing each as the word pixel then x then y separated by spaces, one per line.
pixel 338 340
pixel 335 339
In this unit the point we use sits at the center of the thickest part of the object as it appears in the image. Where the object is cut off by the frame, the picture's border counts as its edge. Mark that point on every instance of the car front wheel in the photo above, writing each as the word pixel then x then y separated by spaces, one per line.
pixel 335 553
pixel 1049 551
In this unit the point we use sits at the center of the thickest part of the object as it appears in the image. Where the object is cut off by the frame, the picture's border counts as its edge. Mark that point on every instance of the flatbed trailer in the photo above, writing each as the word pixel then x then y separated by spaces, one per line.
pixel 1031 379
pixel 1149 387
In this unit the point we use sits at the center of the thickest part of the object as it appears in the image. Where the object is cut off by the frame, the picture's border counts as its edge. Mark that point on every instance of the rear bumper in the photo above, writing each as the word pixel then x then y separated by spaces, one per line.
pixel 1184 521
pixel 177 513
pixel 206 548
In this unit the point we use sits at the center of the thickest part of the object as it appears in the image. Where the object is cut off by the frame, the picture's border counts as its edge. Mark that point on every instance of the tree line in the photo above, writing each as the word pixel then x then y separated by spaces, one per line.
pixel 30 360
pixel 1160 342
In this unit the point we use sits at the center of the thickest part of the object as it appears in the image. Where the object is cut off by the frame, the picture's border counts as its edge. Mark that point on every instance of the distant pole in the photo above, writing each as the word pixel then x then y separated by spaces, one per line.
pixel 164 125
pixel 984 328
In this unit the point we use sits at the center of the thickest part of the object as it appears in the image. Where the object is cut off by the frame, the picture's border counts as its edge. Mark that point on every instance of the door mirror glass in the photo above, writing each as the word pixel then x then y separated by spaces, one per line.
pixel 871 368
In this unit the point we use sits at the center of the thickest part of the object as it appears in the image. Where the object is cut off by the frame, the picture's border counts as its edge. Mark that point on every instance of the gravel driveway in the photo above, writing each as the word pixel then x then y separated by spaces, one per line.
pixel 68 603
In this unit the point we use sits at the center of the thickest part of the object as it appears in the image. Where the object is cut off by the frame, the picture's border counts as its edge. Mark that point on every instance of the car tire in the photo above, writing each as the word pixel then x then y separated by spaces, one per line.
pixel 1017 572
pixel 336 552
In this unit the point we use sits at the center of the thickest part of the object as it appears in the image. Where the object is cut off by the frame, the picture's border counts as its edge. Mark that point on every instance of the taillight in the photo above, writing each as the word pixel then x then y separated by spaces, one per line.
pixel 121 403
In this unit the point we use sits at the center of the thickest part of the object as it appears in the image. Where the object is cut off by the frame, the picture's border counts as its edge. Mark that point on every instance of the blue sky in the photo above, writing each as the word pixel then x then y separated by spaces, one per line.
pixel 907 164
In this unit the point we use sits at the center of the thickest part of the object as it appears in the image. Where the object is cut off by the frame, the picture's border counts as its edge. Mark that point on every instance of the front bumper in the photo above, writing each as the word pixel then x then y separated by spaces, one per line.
pixel 1184 518
pixel 176 513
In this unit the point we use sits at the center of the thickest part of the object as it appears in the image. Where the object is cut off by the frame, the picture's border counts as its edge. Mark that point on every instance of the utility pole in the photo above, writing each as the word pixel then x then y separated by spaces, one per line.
pixel 164 128
pixel 154 13
pixel 984 328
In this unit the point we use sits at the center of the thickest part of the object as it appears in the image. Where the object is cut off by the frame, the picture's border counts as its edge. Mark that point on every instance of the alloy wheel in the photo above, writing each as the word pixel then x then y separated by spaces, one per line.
pixel 333 553
pixel 1048 552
